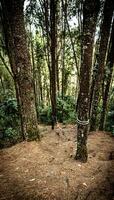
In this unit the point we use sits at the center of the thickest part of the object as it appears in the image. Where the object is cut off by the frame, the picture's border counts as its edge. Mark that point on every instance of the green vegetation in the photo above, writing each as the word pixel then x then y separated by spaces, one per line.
pixel 65 111
pixel 9 122
pixel 109 126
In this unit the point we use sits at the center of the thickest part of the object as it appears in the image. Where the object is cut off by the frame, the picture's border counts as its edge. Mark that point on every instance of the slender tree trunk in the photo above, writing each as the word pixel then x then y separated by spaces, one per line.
pixel 57 74
pixel 90 12
pixel 39 83
pixel 53 7
pixel 64 5
pixel 109 65
pixel 21 67
pixel 38 75
pixel 105 31
pixel 94 75
pixel 34 74
pixel 5 65
pixel 47 29
pixel 57 42
pixel 2 84
pixel 64 8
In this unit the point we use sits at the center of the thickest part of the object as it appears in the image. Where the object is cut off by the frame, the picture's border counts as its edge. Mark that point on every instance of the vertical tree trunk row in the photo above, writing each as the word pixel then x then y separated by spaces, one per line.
pixel 109 67
pixel 105 31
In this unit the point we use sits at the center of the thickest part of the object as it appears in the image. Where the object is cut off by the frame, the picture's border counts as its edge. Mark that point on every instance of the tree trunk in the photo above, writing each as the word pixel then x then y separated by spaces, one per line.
pixel 53 7
pixel 105 31
pixel 90 12
pixel 2 84
pixel 57 44
pixel 95 70
pixel 21 66
pixel 57 75
pixel 109 67
pixel 64 10
pixel 36 93
pixel 64 5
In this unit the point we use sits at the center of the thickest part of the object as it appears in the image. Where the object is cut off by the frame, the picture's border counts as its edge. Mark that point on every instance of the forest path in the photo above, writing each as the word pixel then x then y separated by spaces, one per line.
pixel 47 170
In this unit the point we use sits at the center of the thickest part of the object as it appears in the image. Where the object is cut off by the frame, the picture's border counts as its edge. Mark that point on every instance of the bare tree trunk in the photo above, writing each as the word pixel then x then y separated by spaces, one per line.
pixel 53 8
pixel 57 44
pixel 2 84
pixel 94 75
pixel 64 10
pixel 105 31
pixel 64 5
pixel 5 65
pixel 21 66
pixel 109 66
pixel 47 30
pixel 57 75
pixel 36 93
pixel 90 12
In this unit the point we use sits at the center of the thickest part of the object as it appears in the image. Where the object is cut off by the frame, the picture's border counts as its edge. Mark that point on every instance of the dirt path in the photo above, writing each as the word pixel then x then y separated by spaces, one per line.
pixel 47 170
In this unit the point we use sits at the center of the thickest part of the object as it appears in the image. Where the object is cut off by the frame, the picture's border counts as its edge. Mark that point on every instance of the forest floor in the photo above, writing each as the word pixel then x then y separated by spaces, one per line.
pixel 47 170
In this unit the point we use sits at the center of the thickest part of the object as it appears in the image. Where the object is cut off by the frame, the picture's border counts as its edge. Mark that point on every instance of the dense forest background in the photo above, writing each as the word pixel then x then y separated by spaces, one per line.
pixel 56 65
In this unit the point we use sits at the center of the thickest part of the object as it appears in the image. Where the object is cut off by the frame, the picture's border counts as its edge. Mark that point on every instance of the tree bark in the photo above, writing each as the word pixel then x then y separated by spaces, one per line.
pixel 109 67
pixel 36 93
pixel 105 31
pixel 64 11
pixel 90 12
pixel 21 66
pixel 53 8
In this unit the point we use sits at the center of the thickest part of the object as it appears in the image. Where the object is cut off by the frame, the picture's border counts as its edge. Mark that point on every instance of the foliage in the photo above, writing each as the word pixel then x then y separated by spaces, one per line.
pixel 45 114
pixel 110 114
pixel 10 133
pixel 110 121
pixel 65 111
pixel 9 119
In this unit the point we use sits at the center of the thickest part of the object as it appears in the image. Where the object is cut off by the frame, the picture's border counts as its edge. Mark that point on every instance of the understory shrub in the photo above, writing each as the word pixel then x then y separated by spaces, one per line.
pixel 109 126
pixel 65 111
pixel 9 120
pixel 110 121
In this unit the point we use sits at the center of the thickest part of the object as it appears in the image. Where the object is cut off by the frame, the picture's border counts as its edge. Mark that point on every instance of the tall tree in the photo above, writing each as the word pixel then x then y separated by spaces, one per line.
pixel 104 37
pixel 108 78
pixel 90 13
pixel 15 37
pixel 53 46
pixel 64 12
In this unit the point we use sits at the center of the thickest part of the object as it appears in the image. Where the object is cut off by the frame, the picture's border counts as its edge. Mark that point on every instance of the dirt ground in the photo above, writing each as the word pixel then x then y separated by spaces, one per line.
pixel 47 170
